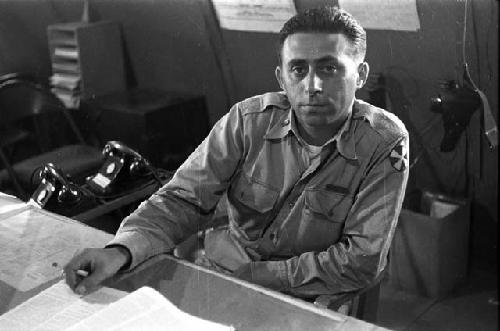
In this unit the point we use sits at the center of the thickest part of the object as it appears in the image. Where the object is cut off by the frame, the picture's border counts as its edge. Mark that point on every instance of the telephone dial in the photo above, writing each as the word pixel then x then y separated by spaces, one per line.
pixel 54 183
pixel 122 167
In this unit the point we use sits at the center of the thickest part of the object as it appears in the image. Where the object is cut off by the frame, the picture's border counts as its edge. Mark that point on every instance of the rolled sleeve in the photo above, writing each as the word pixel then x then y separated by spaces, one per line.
pixel 184 205
pixel 139 246
pixel 270 274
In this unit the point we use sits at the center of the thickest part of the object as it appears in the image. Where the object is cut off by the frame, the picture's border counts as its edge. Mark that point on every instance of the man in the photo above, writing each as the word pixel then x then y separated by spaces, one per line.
pixel 314 178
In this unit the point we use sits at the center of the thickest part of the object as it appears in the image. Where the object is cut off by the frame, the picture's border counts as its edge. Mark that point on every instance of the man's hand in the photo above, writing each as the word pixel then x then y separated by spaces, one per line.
pixel 98 264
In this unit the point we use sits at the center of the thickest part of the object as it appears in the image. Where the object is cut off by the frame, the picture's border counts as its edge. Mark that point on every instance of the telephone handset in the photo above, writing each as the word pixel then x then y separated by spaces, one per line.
pixel 121 165
pixel 52 180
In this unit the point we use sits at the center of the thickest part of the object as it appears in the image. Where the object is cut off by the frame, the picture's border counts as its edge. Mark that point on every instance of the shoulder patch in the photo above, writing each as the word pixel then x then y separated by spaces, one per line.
pixel 399 156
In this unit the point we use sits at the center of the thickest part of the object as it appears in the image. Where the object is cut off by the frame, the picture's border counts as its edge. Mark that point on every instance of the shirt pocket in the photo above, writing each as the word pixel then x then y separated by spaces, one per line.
pixel 251 206
pixel 254 195
pixel 322 220
pixel 326 205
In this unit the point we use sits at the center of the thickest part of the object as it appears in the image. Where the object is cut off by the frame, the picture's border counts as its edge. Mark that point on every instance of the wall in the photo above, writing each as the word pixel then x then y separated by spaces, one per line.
pixel 167 46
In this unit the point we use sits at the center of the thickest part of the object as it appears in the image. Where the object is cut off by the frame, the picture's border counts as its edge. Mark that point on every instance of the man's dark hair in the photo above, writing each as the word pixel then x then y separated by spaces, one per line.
pixel 328 19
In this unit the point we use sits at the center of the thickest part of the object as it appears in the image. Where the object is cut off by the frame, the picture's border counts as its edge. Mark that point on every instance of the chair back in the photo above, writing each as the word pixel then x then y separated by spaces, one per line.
pixel 362 304
pixel 22 98
pixel 36 128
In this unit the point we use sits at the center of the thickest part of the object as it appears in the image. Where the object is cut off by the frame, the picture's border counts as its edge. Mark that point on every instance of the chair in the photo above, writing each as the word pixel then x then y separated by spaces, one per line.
pixel 362 304
pixel 36 124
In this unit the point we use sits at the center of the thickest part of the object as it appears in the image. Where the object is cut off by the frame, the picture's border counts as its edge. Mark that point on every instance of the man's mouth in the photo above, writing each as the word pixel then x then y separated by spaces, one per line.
pixel 314 105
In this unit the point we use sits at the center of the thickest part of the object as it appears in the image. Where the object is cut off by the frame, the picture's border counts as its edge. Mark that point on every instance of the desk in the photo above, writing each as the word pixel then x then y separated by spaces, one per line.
pixel 231 301
pixel 211 295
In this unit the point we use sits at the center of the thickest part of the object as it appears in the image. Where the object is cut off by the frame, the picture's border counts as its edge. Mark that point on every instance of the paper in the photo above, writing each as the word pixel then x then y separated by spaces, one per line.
pixel 441 209
pixel 57 308
pixel 10 205
pixel 35 245
pixel 67 52
pixel 145 309
pixel 384 14
pixel 254 15
pixel 65 80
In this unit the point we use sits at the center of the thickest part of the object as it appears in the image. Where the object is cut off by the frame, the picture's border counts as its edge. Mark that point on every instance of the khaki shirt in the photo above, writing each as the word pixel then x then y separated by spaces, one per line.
pixel 305 227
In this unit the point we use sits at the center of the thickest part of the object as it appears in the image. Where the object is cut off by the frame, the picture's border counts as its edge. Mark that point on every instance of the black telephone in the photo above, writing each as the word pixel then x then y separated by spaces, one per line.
pixel 52 180
pixel 122 165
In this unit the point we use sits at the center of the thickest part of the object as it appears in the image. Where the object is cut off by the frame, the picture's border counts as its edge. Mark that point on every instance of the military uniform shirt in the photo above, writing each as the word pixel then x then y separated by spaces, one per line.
pixel 304 227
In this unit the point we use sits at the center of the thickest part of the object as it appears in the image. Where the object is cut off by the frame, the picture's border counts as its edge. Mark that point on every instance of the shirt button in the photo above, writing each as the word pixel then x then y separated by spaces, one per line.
pixel 274 238
pixel 286 122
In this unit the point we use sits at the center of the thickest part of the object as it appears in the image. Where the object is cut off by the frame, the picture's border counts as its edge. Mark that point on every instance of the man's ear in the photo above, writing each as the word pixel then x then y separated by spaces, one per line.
pixel 279 78
pixel 363 71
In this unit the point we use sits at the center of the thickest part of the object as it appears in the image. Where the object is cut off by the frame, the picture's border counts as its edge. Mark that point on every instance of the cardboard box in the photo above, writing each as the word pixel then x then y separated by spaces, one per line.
pixel 429 253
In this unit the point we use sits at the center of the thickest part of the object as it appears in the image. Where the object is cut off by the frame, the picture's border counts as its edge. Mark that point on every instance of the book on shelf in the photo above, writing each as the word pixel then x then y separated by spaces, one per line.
pixel 69 81
pixel 66 67
pixel 58 308
pixel 66 52
pixel 70 98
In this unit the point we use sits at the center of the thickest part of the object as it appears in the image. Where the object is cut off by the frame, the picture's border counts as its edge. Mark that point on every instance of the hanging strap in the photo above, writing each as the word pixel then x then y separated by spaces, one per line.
pixel 489 124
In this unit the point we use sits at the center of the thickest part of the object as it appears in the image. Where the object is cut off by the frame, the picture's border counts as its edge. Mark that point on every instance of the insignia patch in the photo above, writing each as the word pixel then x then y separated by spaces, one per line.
pixel 399 157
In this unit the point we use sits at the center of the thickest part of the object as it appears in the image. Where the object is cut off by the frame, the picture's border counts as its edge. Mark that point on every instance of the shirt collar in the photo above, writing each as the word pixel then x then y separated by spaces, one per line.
pixel 281 128
pixel 344 137
pixel 277 99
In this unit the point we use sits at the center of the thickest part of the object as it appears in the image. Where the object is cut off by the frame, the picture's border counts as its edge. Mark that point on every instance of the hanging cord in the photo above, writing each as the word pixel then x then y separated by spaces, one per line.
pixel 464 58
pixel 489 123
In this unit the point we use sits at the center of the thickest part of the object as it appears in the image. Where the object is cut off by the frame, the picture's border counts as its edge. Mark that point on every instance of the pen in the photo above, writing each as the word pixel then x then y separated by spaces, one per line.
pixel 82 273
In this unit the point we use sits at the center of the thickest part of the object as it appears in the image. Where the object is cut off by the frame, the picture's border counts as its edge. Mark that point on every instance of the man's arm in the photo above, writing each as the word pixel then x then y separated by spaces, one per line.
pixel 173 213
pixel 188 200
pixel 361 253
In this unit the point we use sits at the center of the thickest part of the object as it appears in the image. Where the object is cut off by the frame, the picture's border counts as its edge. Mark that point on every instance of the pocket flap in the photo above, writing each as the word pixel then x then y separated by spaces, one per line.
pixel 254 194
pixel 324 202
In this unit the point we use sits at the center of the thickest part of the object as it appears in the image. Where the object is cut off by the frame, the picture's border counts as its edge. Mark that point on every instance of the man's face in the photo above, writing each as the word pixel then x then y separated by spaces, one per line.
pixel 320 75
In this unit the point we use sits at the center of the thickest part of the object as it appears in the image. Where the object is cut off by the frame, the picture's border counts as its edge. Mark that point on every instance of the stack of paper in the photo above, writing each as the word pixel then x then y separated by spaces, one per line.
pixel 58 308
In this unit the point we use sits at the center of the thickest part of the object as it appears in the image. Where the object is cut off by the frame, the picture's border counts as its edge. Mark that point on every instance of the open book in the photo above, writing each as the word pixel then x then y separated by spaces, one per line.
pixel 58 308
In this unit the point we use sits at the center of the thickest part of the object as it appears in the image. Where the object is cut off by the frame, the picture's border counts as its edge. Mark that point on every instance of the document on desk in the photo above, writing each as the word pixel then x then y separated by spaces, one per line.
pixel 58 308
pixel 36 244
pixel 145 309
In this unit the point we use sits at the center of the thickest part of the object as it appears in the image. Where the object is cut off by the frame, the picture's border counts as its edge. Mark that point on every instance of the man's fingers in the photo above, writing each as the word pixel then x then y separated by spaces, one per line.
pixel 89 283
pixel 78 262
pixel 90 268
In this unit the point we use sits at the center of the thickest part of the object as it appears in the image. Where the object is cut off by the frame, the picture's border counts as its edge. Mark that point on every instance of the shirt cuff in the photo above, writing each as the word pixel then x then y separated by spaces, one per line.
pixel 271 274
pixel 138 245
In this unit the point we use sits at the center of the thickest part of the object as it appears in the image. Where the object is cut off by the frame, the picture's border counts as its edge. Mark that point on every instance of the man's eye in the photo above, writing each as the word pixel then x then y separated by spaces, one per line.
pixel 298 70
pixel 329 69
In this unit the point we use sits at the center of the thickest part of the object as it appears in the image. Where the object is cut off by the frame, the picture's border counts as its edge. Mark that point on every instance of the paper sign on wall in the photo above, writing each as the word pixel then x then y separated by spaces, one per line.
pixel 384 14
pixel 254 15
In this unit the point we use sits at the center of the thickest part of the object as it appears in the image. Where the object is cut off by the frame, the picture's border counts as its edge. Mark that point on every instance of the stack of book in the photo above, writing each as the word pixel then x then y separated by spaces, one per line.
pixel 66 78
pixel 82 67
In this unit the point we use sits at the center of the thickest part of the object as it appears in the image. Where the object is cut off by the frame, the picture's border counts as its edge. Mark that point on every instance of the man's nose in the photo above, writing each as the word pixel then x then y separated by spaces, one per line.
pixel 314 84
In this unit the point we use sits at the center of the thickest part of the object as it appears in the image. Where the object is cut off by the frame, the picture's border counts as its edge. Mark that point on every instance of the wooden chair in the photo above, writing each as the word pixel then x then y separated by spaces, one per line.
pixel 361 304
